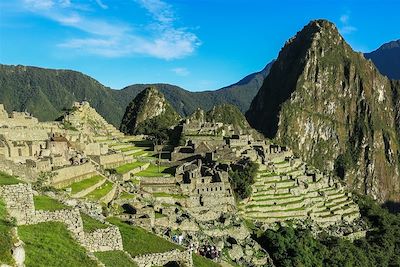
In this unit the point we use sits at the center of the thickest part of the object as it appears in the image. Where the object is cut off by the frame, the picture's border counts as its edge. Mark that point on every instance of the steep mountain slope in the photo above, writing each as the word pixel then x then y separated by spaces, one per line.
pixel 185 102
pixel 228 114
pixel 148 112
pixel 334 109
pixel 387 59
pixel 45 92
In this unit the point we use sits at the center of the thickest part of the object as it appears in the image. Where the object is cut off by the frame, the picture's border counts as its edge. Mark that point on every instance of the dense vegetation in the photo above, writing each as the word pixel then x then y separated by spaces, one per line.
pixel 46 92
pixel 297 247
pixel 242 178
pixel 149 113
pixel 228 114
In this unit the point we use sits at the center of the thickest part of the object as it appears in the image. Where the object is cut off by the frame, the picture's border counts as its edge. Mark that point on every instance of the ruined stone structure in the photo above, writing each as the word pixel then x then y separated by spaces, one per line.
pixel 207 188
pixel 160 259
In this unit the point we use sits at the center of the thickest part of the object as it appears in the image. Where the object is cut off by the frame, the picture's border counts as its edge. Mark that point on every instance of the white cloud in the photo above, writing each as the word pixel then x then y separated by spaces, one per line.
pixel 181 71
pixel 346 27
pixel 344 19
pixel 161 39
pixel 40 4
pixel 101 4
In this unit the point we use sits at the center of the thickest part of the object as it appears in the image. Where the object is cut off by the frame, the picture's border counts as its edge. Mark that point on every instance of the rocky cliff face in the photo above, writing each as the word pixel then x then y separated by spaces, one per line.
pixel 148 113
pixel 334 109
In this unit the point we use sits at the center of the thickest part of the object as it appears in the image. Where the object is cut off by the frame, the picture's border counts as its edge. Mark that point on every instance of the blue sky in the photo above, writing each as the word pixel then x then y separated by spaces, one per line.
pixel 195 44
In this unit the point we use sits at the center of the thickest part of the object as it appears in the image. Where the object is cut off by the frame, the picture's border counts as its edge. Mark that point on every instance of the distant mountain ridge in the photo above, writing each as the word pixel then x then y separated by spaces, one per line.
pixel 45 92
pixel 387 59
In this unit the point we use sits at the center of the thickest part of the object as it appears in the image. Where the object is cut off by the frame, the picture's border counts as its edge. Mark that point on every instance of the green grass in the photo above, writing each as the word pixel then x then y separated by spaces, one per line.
pixel 199 261
pixel 128 167
pixel 128 148
pixel 114 259
pixel 82 185
pixel 155 171
pixel 139 153
pixel 126 195
pixel 90 224
pixel 6 240
pixel 101 191
pixel 51 244
pixel 138 241
pixel 47 203
pixel 6 179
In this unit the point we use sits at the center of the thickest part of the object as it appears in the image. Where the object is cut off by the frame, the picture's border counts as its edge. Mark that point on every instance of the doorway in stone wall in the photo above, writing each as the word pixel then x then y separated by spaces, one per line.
pixel 173 264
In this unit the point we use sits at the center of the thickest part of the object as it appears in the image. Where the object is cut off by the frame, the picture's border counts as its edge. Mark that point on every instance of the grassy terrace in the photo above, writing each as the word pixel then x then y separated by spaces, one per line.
pixel 47 203
pixel 269 174
pixel 129 148
pixel 128 167
pixel 82 185
pixel 90 224
pixel 163 194
pixel 138 241
pixel 51 244
pixel 278 210
pixel 101 191
pixel 126 195
pixel 155 171
pixel 139 153
pixel 114 259
pixel 277 205
pixel 6 242
pixel 6 179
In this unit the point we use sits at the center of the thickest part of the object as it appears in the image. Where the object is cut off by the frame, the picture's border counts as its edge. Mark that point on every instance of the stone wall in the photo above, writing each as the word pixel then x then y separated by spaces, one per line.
pixel 19 170
pixel 111 160
pixel 19 203
pixel 160 259
pixel 72 174
pixel 104 240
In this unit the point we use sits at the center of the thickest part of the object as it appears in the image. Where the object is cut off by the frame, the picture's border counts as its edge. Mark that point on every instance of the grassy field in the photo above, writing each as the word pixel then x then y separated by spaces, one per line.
pixel 155 171
pixel 5 237
pixel 90 224
pixel 199 261
pixel 114 259
pixel 128 167
pixel 51 244
pixel 6 179
pixel 47 203
pixel 82 185
pixel 100 191
pixel 138 241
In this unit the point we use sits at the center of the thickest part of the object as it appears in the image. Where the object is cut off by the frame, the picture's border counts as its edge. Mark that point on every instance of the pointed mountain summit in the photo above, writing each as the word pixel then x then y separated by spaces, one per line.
pixel 148 113
pixel 334 109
